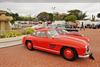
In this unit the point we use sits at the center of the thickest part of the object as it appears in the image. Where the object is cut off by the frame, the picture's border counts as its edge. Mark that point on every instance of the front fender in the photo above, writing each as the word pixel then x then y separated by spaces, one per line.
pixel 78 47
pixel 81 51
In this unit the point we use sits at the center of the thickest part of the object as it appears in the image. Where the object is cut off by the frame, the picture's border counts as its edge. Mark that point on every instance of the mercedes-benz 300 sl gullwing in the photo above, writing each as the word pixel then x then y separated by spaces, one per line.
pixel 49 40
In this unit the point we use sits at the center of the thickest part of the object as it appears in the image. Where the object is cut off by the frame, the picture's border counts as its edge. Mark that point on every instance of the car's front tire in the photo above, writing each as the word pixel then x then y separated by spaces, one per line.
pixel 29 45
pixel 69 54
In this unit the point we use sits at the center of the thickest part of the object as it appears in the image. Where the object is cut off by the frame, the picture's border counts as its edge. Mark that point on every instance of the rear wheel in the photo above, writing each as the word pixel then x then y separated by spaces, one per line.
pixel 69 54
pixel 29 45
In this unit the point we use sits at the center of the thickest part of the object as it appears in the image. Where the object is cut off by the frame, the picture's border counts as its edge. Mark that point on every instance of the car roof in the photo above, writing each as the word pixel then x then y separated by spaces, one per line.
pixel 59 29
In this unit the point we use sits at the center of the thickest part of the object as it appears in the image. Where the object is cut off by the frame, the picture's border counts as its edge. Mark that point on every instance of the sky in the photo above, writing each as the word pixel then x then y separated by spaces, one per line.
pixel 50 1
pixel 33 9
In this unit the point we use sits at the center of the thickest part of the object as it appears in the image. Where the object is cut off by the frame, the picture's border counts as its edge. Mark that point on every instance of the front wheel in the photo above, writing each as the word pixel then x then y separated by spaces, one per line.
pixel 69 54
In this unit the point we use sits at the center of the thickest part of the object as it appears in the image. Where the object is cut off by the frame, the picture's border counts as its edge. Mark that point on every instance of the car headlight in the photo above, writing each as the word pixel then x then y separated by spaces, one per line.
pixel 88 40
pixel 82 35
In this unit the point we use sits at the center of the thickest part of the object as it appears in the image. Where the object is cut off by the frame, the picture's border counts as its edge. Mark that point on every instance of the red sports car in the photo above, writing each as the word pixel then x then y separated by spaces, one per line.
pixel 49 40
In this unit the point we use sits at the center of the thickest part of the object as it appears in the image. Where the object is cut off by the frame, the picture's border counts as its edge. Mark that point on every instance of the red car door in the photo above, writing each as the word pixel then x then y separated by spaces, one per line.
pixel 46 43
pixel 42 39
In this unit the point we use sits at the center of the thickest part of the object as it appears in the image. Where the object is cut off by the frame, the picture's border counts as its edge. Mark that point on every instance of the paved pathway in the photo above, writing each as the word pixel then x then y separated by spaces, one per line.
pixel 6 42
pixel 19 56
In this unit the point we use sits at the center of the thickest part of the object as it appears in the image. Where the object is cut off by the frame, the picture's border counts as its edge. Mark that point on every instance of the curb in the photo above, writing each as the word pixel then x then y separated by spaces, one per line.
pixel 10 41
pixel 10 46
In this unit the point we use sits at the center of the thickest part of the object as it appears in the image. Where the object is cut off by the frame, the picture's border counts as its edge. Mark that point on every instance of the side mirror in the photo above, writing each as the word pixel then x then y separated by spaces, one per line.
pixel 52 37
pixel 33 34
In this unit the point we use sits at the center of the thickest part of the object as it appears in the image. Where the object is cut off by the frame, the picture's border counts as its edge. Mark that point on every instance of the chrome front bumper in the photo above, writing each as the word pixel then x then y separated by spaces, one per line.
pixel 84 56
pixel 88 56
pixel 87 53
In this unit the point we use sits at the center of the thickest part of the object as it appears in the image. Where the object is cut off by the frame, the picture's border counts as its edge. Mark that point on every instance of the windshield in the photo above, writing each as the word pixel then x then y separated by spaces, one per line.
pixel 58 26
pixel 62 31
pixel 52 33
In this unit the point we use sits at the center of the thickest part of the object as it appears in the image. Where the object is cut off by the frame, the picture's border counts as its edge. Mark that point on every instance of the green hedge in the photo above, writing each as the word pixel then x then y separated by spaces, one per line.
pixel 10 34
pixel 15 33
pixel 28 31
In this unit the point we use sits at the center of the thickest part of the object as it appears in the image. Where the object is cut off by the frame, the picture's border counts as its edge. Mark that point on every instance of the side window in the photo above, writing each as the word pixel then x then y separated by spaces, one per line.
pixel 41 34
pixel 49 35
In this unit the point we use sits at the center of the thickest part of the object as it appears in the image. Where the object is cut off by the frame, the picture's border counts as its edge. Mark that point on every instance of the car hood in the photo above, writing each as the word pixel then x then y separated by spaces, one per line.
pixel 80 37
pixel 75 33
pixel 72 40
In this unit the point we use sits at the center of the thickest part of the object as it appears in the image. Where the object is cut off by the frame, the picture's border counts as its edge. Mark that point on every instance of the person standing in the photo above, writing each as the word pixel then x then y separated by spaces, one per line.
pixel 82 26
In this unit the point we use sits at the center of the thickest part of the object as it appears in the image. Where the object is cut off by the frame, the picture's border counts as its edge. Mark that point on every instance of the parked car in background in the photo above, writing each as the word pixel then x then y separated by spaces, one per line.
pixel 49 40
pixel 63 26
pixel 93 26
pixel 88 26
pixel 97 26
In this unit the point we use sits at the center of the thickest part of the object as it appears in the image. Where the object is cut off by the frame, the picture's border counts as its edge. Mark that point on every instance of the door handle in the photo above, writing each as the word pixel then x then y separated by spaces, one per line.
pixel 52 45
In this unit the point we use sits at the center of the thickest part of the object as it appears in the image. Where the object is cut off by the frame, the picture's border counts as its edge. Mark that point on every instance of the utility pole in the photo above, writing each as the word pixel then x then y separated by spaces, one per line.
pixel 53 9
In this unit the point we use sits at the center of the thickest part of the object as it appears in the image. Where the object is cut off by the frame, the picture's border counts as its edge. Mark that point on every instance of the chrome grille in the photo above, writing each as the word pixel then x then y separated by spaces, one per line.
pixel 87 50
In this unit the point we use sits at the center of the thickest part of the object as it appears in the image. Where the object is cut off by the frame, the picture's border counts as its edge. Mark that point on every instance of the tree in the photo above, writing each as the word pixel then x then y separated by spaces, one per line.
pixel 71 18
pixel 98 15
pixel 58 16
pixel 78 13
pixel 26 18
pixel 44 16
pixel 81 16
pixel 50 16
pixel 14 15
pixel 62 16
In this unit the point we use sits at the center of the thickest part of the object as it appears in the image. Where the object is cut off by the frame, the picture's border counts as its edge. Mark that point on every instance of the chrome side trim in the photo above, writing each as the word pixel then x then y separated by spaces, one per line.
pixel 46 49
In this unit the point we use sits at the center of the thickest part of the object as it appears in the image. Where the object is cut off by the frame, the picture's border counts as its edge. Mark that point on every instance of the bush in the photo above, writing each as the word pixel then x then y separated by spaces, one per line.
pixel 28 31
pixel 2 35
pixel 10 34
pixel 15 33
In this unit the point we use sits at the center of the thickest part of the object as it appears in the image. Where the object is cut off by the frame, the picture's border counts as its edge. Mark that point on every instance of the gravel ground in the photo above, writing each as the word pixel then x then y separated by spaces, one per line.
pixel 19 56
